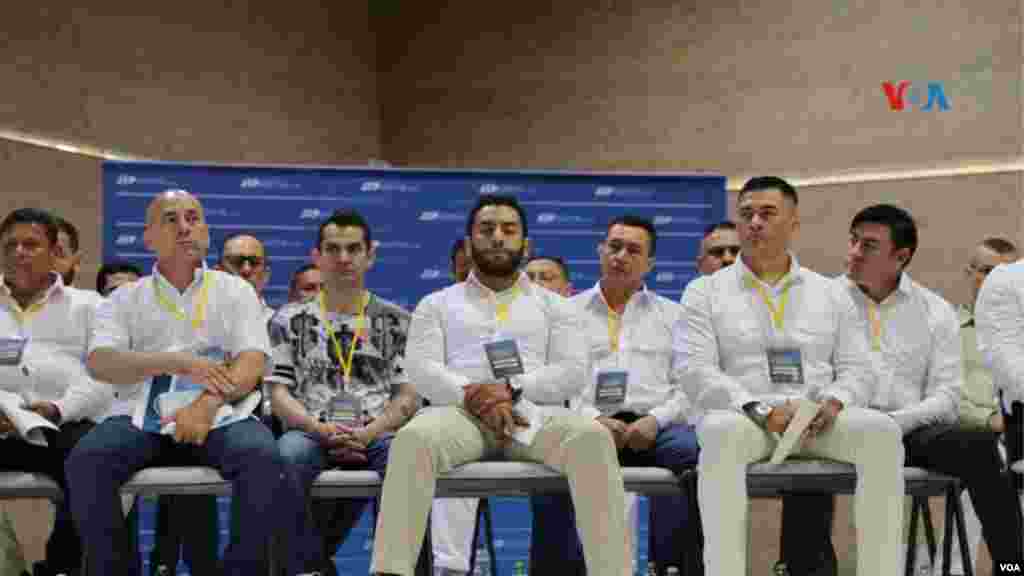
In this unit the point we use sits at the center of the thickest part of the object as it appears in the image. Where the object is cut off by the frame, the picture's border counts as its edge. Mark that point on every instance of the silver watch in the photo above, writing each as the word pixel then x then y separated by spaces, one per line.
pixel 758 412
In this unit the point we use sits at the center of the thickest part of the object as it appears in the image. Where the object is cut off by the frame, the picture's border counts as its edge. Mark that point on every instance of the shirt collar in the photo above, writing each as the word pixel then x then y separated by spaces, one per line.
pixel 744 275
pixel 595 297
pixel 55 290
pixel 903 288
pixel 522 282
pixel 197 276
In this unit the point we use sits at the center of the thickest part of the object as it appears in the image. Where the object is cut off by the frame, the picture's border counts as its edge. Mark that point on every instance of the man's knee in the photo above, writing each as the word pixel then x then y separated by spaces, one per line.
pixel 721 431
pixel 589 432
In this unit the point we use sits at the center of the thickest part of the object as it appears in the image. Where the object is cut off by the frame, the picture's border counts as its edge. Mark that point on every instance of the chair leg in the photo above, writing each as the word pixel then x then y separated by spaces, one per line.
pixel 912 542
pixel 961 533
pixel 489 526
pixel 929 528
pixel 952 495
pixel 476 536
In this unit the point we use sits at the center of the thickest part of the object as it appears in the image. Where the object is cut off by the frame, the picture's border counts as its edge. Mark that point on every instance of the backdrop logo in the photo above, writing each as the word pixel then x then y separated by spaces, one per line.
pixel 385 186
pixel 662 220
pixel 552 218
pixel 431 274
pixel 620 192
pixel 438 216
pixel 310 214
pixel 125 239
pixel 129 180
pixel 900 93
pixel 126 180
pixel 665 277
pixel 269 184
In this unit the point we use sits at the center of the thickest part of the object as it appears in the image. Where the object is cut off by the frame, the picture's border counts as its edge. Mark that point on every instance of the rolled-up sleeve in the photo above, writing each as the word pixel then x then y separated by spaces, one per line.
pixel 1000 322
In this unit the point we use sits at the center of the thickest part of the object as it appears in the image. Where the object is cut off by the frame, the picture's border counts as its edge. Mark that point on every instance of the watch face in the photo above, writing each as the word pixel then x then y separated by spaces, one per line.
pixel 763 410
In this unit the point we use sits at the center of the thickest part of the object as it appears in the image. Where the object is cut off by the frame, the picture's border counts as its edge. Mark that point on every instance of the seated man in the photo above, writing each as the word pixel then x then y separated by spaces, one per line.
pixel 633 389
pixel 184 332
pixel 44 335
pixel 483 351
pixel 759 334
pixel 338 384
pixel 915 349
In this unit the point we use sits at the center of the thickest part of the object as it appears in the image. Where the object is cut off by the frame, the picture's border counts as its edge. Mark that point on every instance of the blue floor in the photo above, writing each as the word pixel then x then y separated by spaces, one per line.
pixel 511 536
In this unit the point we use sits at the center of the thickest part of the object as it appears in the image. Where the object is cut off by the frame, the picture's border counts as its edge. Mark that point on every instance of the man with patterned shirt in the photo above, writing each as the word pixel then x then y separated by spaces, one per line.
pixel 338 385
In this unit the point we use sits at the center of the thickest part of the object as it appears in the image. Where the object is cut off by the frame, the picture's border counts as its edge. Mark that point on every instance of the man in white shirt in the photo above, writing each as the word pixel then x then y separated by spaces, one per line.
pixel 764 332
pixel 718 248
pixel 634 389
pixel 45 330
pixel 485 352
pixel 183 332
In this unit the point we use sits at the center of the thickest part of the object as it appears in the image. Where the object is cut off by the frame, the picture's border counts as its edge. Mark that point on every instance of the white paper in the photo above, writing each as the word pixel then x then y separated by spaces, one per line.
pixel 805 413
pixel 531 413
pixel 171 402
pixel 28 424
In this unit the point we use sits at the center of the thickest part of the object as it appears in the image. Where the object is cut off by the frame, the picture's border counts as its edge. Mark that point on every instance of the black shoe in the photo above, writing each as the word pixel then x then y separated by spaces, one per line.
pixel 780 569
pixel 43 569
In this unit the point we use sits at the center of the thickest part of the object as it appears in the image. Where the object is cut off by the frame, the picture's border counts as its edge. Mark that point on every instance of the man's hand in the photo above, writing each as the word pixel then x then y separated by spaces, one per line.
pixel 640 435
pixel 996 423
pixel 618 430
pixel 6 426
pixel 346 445
pixel 825 418
pixel 779 417
pixel 503 420
pixel 481 397
pixel 193 422
pixel 214 376
pixel 47 410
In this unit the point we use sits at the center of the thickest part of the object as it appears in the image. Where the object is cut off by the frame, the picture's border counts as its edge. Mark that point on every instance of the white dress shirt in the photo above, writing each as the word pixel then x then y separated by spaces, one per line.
pixel 58 328
pixel 449 328
pixel 915 352
pixel 644 350
pixel 133 319
pixel 999 318
pixel 730 328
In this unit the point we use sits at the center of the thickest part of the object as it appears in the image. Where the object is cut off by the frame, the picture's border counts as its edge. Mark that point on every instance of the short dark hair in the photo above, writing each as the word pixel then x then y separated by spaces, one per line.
pixel 901 225
pixel 343 218
pixel 557 260
pixel 111 268
pixel 486 200
pixel 69 229
pixel 723 225
pixel 458 246
pixel 635 221
pixel 770 183
pixel 32 216
pixel 299 272
pixel 232 236
pixel 999 245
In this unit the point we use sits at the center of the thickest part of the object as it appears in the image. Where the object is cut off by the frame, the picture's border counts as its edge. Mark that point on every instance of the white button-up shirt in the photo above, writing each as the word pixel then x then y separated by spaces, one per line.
pixel 999 318
pixel 133 319
pixel 449 328
pixel 58 328
pixel 915 351
pixel 729 329
pixel 645 351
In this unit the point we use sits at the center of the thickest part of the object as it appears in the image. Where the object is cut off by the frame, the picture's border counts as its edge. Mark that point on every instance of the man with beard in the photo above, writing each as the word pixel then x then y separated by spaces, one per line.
pixel 187 334
pixel 486 352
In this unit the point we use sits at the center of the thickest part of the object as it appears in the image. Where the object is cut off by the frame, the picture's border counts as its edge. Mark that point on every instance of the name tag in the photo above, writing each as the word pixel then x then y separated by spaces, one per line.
pixel 785 366
pixel 503 355
pixel 345 409
pixel 11 350
pixel 610 390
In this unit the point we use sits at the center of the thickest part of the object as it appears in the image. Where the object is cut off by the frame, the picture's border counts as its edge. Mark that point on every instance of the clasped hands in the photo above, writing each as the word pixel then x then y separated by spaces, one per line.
pixel 781 415
pixel 492 403
pixel 345 445
pixel 193 422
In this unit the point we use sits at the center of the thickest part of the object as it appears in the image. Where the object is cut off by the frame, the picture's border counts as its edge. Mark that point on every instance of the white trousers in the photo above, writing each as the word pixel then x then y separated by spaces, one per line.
pixel 451 530
pixel 869 440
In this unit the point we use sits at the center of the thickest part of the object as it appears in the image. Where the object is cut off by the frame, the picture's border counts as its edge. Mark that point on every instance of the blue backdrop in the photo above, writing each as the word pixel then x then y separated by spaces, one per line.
pixel 415 216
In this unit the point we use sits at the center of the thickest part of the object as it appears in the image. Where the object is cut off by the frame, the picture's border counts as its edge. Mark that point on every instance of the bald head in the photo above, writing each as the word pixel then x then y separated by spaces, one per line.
pixel 176 227
pixel 243 255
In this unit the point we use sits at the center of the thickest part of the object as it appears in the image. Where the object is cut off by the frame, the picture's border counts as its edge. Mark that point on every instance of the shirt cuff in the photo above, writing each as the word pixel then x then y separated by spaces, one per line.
pixel 590 412
pixel 70 411
pixel 840 394
pixel 664 415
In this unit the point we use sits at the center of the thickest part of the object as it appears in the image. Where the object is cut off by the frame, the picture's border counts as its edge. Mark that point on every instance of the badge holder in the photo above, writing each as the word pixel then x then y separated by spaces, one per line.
pixel 785 366
pixel 503 356
pixel 346 409
pixel 610 390
pixel 11 351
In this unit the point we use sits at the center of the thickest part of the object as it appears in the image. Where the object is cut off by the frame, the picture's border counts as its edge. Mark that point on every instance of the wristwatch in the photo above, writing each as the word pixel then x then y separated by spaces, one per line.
pixel 758 412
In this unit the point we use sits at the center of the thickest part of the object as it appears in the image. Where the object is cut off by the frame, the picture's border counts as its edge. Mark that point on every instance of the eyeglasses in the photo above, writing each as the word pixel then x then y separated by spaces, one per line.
pixel 719 251
pixel 238 261
pixel 983 270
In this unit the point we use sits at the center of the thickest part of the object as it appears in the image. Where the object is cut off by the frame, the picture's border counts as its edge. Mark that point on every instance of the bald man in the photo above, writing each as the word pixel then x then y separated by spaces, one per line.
pixel 244 256
pixel 177 346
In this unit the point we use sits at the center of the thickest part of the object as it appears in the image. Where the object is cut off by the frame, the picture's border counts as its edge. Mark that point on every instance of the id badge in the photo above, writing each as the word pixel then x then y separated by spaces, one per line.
pixel 785 366
pixel 610 390
pixel 345 409
pixel 11 350
pixel 503 356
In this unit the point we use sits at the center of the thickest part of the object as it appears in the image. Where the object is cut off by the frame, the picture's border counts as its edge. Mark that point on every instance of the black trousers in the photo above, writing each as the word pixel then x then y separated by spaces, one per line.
pixel 970 455
pixel 63 548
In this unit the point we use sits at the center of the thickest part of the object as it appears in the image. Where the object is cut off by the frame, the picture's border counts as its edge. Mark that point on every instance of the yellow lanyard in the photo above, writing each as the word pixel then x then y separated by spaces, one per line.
pixel 876 319
pixel 501 306
pixel 345 360
pixel 199 313
pixel 614 329
pixel 778 312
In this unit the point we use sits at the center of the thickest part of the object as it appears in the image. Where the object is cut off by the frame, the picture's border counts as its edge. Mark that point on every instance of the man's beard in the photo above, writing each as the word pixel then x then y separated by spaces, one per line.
pixel 498 269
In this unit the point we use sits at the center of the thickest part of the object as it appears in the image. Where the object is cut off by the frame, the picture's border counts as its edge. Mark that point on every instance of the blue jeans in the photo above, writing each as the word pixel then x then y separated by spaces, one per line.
pixel 555 546
pixel 305 458
pixel 113 451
